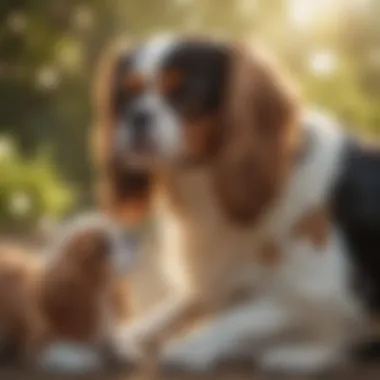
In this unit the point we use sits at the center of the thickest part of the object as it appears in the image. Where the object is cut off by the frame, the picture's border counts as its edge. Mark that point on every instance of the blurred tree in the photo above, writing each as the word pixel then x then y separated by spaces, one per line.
pixel 31 190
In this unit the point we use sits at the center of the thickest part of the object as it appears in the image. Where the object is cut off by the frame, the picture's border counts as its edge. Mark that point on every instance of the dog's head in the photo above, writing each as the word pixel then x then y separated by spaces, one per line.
pixel 189 101
pixel 90 246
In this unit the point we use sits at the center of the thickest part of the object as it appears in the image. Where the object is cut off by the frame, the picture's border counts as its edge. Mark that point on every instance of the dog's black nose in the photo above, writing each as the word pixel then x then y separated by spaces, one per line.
pixel 140 121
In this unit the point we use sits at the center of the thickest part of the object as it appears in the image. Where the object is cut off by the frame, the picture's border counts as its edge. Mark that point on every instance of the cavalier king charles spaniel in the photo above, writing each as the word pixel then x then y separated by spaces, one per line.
pixel 58 311
pixel 250 193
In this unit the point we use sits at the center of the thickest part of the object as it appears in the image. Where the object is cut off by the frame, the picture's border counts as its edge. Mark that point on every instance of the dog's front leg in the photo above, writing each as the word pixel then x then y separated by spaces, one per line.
pixel 256 321
pixel 133 338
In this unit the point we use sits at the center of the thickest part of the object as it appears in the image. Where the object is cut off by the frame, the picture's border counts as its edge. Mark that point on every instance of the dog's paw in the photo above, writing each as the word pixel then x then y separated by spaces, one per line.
pixel 128 344
pixel 190 355
pixel 69 358
pixel 297 359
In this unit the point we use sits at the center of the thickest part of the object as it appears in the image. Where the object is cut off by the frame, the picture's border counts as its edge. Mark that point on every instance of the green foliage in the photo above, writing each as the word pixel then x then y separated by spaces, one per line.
pixel 30 189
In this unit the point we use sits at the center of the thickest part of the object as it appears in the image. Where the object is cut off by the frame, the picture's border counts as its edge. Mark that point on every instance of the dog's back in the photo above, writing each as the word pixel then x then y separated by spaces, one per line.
pixel 356 207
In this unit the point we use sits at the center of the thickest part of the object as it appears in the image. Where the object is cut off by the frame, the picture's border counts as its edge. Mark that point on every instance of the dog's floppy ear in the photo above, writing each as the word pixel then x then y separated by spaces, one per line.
pixel 103 103
pixel 121 193
pixel 259 135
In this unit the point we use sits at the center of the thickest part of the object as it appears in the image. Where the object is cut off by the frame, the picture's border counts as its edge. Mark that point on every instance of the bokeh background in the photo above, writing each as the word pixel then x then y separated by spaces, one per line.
pixel 48 51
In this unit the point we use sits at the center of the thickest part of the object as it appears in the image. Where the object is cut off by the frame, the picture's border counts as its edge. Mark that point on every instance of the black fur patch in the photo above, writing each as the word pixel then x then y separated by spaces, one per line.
pixel 356 207
pixel 205 68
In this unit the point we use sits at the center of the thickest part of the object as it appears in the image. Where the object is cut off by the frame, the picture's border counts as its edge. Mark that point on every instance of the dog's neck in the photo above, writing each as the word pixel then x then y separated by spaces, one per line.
pixel 188 194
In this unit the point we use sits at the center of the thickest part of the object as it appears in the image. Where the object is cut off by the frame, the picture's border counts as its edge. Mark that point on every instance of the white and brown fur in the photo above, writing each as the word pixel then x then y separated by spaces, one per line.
pixel 240 198
pixel 59 309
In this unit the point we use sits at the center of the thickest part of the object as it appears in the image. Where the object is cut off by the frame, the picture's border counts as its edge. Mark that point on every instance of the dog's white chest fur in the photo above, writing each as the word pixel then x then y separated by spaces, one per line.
pixel 204 252
pixel 201 248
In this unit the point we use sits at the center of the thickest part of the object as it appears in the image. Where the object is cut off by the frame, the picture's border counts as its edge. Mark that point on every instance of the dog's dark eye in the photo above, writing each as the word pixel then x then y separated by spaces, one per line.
pixel 170 81
pixel 204 69
pixel 132 84
pixel 128 85
pixel 174 86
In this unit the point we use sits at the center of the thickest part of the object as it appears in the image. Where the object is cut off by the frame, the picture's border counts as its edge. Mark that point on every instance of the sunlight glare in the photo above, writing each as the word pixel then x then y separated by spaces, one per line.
pixel 20 204
pixel 304 13
pixel 323 63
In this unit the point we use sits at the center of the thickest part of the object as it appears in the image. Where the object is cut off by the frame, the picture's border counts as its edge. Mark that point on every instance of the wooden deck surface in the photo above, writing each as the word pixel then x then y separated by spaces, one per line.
pixel 232 373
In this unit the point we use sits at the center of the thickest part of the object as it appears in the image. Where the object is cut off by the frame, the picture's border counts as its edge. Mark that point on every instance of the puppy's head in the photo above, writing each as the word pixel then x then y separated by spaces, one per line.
pixel 17 272
pixel 90 246
pixel 189 101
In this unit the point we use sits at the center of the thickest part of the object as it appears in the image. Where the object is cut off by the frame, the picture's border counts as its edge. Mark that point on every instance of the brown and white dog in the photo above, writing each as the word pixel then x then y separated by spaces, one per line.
pixel 58 311
pixel 249 193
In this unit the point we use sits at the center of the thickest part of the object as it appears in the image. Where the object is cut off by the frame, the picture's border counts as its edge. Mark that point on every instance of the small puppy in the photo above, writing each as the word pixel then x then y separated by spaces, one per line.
pixel 60 312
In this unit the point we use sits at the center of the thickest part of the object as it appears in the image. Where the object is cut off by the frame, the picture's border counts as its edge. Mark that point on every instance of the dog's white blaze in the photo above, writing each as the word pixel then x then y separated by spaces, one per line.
pixel 166 127
pixel 149 59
